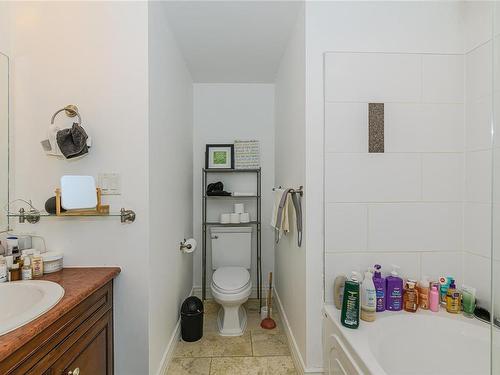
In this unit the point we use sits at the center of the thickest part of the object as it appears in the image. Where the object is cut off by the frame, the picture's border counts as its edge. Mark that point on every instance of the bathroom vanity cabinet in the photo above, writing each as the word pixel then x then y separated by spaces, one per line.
pixel 79 342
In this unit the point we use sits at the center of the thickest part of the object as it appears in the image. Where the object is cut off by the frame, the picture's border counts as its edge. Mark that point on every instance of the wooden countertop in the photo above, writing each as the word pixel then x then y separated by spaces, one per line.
pixel 78 284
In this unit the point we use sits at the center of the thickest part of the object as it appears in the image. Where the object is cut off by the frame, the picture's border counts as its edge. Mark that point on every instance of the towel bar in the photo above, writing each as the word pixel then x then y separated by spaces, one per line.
pixel 299 191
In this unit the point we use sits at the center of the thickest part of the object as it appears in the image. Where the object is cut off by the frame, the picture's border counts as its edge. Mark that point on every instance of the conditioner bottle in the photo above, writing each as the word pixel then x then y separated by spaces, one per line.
pixel 379 283
pixel 394 291
pixel 368 298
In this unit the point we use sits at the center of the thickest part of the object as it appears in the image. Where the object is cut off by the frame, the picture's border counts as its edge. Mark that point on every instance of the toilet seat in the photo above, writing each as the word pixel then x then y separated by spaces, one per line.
pixel 231 280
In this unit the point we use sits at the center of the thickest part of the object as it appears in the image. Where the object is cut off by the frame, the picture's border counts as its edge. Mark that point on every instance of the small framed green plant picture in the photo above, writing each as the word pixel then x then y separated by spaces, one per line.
pixel 219 156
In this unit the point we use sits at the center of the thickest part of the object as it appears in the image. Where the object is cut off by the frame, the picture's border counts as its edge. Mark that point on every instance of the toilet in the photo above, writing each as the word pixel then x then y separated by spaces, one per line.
pixel 231 285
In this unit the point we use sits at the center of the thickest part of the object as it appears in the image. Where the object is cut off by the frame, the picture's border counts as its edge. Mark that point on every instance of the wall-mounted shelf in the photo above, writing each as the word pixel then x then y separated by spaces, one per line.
pixel 227 170
pixel 32 217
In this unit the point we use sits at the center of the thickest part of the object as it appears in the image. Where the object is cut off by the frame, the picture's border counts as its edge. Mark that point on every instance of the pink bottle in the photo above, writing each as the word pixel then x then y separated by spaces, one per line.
pixel 434 299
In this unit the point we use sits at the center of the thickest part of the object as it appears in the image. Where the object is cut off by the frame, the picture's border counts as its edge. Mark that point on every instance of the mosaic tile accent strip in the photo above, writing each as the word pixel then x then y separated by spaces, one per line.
pixel 375 127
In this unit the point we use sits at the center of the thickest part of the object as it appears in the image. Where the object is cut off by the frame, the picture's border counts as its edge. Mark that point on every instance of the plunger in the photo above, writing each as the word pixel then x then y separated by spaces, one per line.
pixel 269 323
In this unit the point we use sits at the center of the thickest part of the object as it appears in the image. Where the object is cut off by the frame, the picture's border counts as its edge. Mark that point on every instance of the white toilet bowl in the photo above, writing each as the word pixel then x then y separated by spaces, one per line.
pixel 231 287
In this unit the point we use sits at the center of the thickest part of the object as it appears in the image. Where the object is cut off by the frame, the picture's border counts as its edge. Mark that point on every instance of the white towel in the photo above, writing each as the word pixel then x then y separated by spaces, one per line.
pixel 282 227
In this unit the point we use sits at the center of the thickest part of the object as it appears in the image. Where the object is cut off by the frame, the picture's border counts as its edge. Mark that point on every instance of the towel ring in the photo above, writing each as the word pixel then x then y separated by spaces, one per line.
pixel 71 111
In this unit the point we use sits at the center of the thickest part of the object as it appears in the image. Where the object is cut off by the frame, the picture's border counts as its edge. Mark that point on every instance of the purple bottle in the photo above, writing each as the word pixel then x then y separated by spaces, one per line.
pixel 379 283
pixel 394 291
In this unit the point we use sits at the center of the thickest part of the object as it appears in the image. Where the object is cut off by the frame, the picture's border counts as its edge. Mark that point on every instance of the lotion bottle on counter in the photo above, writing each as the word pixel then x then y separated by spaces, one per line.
pixel 349 316
pixel 368 298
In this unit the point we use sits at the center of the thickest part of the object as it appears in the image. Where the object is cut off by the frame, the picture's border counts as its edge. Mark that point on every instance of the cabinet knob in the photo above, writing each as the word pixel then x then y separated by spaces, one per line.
pixel 76 371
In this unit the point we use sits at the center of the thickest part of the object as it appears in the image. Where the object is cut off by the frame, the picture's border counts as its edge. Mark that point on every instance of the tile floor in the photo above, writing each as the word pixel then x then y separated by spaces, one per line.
pixel 257 352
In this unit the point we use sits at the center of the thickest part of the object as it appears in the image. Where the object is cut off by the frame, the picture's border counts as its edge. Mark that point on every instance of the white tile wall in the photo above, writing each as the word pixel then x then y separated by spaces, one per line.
pixel 478 124
pixel 442 177
pixel 346 127
pixel 478 23
pixel 477 228
pixel 443 78
pixel 426 127
pixel 406 206
pixel 477 273
pixel 436 264
pixel 373 177
pixel 373 77
pixel 478 72
pixel 347 223
pixel 415 227
pixel 478 176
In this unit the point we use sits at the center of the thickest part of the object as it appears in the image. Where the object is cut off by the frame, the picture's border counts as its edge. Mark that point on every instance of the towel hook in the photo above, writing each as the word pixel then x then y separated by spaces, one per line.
pixel 71 110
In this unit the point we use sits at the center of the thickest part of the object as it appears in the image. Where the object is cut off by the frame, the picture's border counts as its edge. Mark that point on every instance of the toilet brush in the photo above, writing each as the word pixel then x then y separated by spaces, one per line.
pixel 269 323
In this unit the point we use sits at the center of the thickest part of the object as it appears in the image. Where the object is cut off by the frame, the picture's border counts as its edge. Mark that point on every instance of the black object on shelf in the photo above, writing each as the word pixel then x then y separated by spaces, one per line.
pixel 192 319
pixel 482 314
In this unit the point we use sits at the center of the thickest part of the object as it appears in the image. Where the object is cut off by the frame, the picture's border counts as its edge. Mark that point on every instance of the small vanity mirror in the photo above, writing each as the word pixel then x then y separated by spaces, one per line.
pixel 4 140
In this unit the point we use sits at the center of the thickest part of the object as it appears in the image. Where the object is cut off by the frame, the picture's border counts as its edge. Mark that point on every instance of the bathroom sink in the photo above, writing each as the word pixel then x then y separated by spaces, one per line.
pixel 24 301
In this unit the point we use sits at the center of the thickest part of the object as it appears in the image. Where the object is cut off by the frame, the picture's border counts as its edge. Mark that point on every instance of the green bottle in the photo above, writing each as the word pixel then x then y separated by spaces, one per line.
pixel 349 316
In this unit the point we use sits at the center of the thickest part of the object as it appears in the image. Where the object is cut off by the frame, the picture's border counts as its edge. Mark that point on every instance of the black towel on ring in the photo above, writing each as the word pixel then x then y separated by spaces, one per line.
pixel 72 142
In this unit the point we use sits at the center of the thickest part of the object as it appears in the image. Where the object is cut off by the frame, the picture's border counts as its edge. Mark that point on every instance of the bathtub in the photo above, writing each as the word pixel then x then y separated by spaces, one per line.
pixel 401 343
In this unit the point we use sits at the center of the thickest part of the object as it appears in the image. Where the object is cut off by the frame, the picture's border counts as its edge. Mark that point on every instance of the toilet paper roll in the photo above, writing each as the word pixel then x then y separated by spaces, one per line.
pixel 239 208
pixel 235 218
pixel 189 246
pixel 225 218
pixel 245 217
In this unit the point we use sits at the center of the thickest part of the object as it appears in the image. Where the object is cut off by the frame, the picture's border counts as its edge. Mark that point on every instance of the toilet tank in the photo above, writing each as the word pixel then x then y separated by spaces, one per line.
pixel 231 246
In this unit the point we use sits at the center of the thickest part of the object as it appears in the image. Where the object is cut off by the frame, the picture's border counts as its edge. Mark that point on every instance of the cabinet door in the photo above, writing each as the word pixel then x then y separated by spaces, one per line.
pixel 92 354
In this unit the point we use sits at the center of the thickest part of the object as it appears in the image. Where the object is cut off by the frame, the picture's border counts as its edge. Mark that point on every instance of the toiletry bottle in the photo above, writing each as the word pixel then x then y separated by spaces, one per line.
pixel 37 265
pixel 26 271
pixel 453 299
pixel 15 272
pixel 444 284
pixel 394 291
pixel 349 316
pixel 434 299
pixel 379 283
pixel 410 298
pixel 4 273
pixel 468 300
pixel 368 298
pixel 423 293
pixel 338 291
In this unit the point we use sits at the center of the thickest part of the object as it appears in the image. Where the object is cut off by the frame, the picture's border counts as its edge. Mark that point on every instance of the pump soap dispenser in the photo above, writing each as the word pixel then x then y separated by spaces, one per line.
pixel 394 290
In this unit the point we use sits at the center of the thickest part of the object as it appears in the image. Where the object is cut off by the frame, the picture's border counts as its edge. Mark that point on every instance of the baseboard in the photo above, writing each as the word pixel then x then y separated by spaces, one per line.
pixel 197 292
pixel 172 344
pixel 294 349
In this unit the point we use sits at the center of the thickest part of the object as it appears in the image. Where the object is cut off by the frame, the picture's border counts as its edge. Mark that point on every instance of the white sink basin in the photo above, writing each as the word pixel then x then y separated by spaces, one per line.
pixel 24 301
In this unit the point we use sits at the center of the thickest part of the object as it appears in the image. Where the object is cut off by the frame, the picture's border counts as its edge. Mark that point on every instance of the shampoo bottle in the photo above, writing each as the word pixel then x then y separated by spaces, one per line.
pixel 379 283
pixel 423 293
pixel 349 316
pixel 434 299
pixel 368 298
pixel 410 298
pixel 453 299
pixel 394 291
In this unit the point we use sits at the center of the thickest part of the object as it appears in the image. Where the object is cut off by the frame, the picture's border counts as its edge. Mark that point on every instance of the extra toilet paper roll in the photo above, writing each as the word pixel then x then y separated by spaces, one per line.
pixel 245 217
pixel 239 208
pixel 225 218
pixel 190 246
pixel 235 218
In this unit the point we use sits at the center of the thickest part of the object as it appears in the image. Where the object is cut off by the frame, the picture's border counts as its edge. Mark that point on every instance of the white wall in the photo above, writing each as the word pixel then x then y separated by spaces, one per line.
pixel 224 113
pixel 377 28
pixel 93 55
pixel 290 154
pixel 170 184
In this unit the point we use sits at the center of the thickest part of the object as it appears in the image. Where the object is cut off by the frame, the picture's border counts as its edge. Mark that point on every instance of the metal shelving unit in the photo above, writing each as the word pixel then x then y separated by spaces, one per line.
pixel 206 224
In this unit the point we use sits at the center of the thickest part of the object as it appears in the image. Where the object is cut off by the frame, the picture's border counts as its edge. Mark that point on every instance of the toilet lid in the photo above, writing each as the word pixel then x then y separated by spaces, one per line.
pixel 231 278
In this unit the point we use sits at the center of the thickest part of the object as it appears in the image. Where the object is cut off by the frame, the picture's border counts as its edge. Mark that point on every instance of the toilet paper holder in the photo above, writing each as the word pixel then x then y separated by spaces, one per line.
pixel 187 246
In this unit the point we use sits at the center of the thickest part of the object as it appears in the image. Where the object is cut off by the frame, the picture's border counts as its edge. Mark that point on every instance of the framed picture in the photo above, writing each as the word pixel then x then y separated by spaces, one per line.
pixel 219 157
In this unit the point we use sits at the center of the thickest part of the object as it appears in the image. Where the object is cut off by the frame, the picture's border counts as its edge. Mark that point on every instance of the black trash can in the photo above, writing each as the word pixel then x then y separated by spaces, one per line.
pixel 192 319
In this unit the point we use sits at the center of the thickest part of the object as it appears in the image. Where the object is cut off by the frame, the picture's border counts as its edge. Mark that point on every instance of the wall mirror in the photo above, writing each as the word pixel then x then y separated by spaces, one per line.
pixel 4 140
